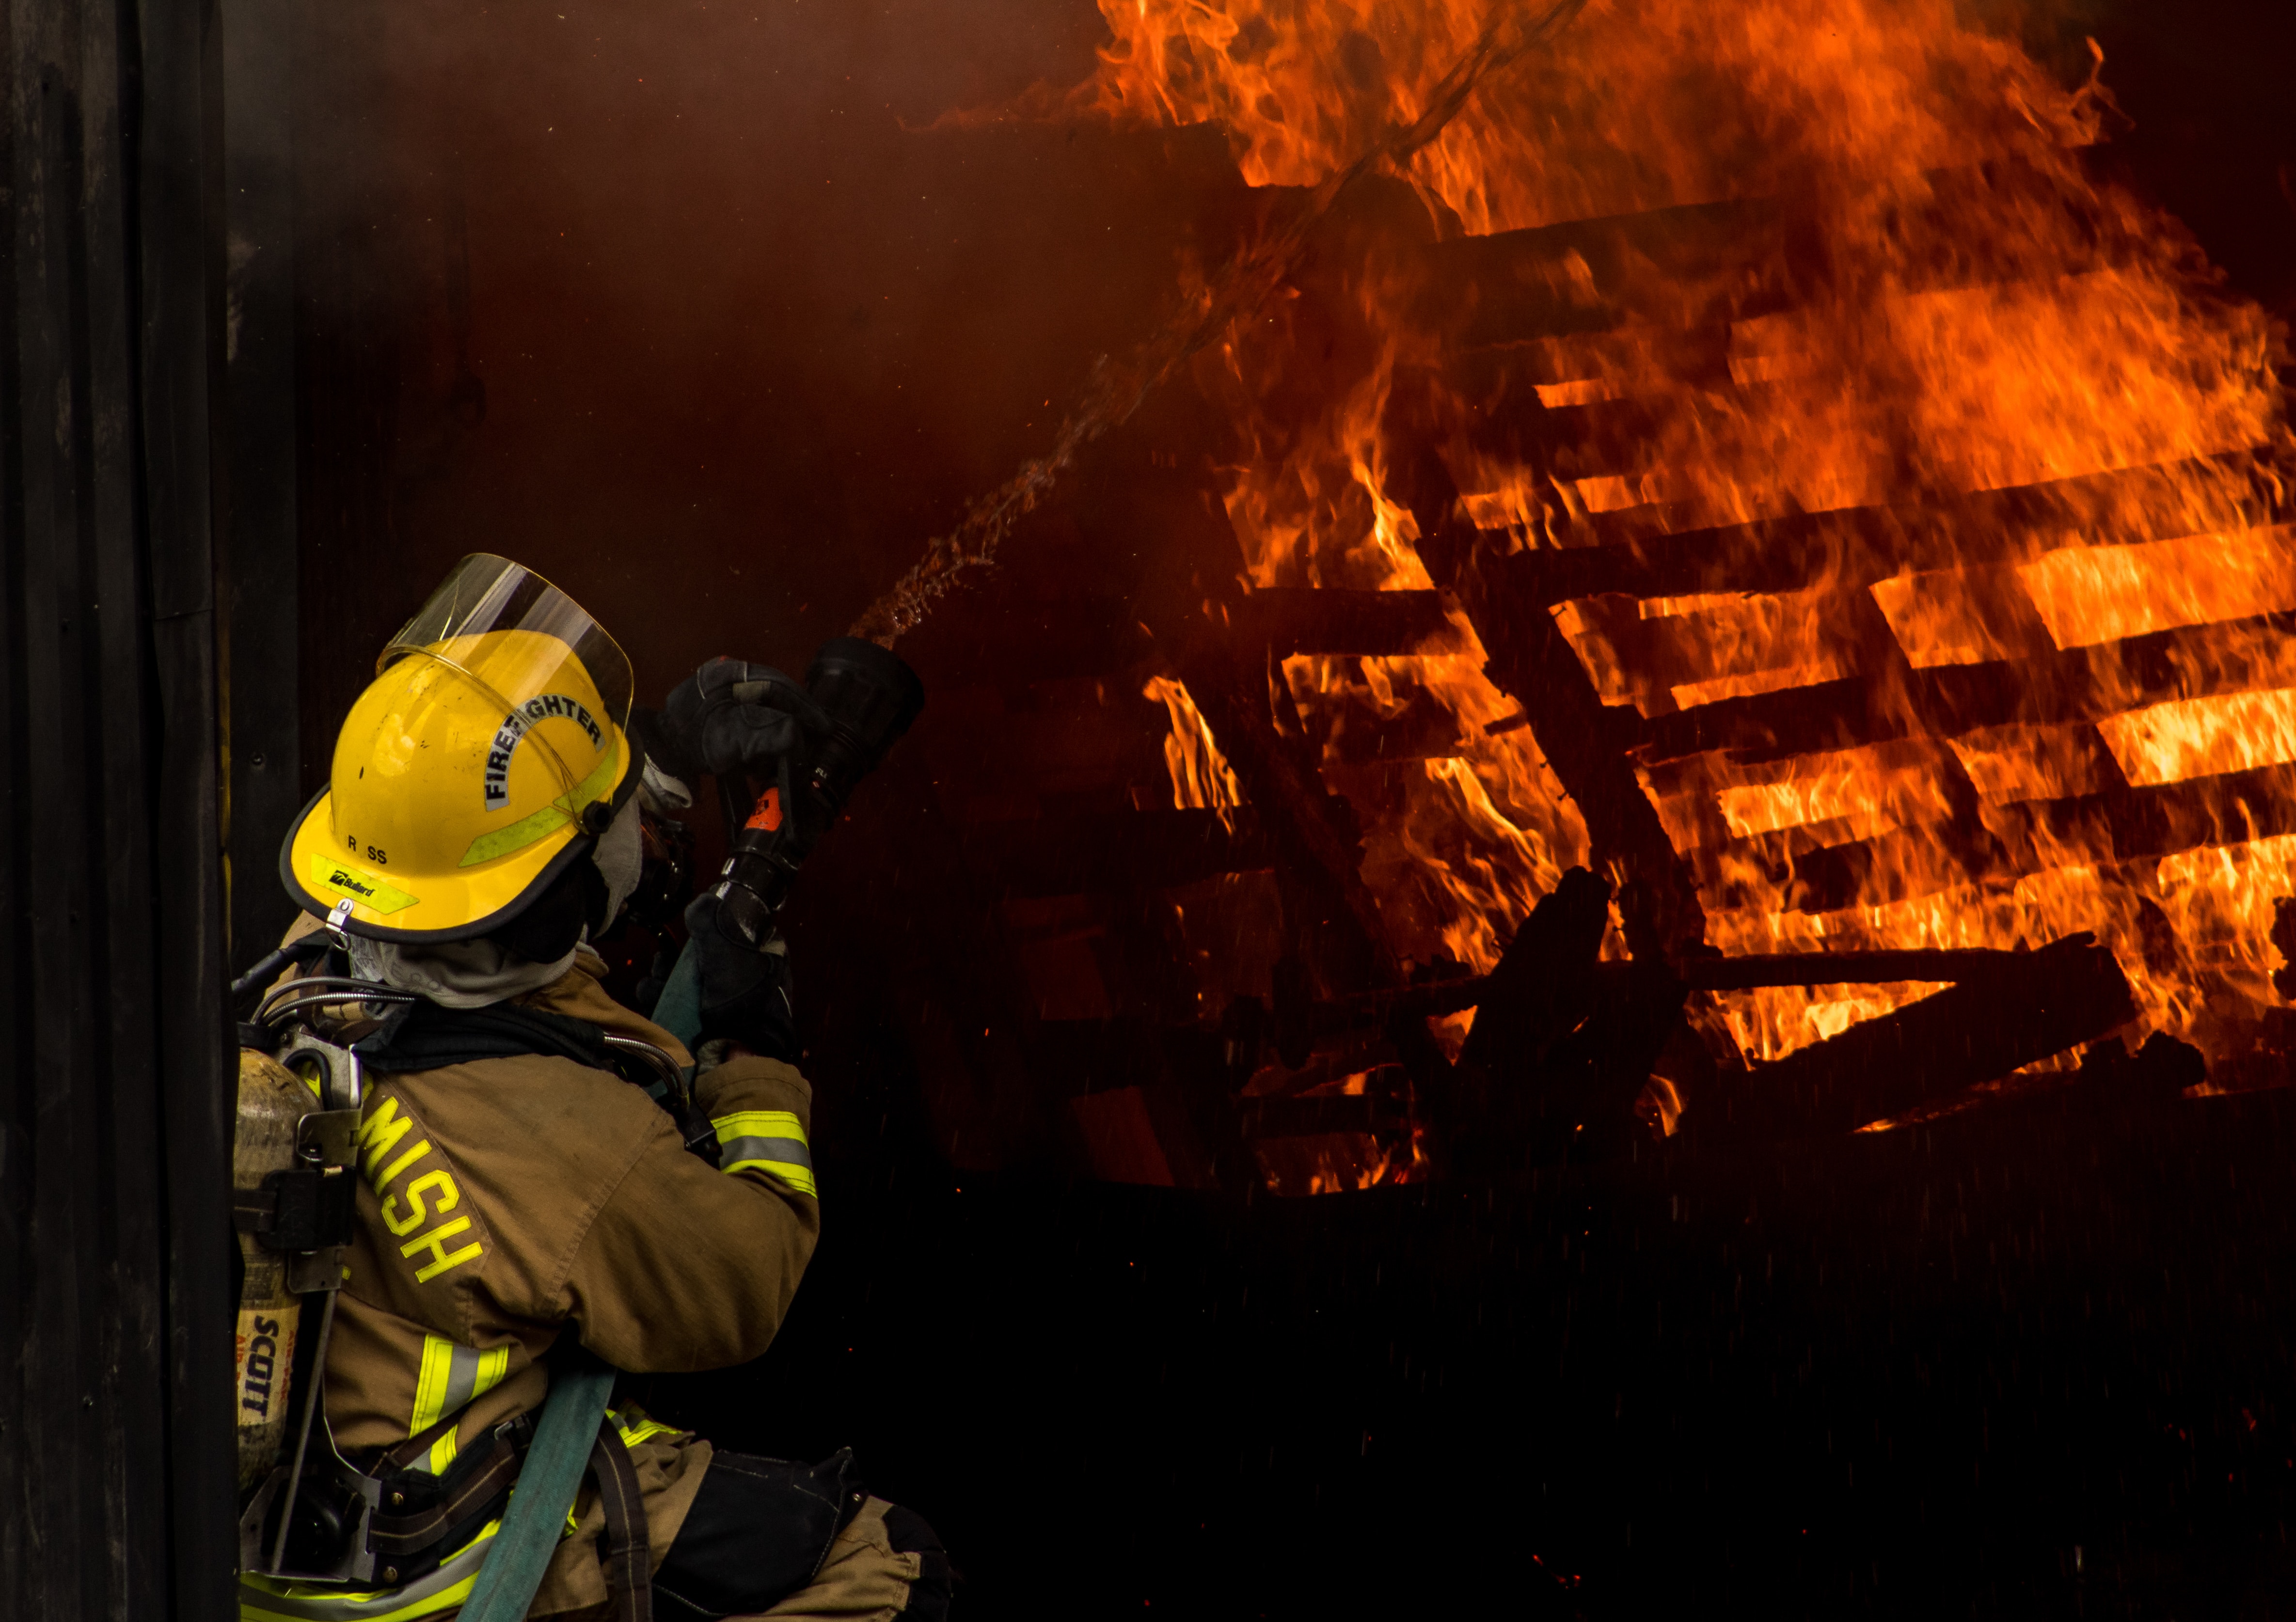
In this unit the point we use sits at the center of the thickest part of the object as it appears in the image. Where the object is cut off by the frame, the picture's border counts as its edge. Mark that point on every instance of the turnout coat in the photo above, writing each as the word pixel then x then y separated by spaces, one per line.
pixel 507 1203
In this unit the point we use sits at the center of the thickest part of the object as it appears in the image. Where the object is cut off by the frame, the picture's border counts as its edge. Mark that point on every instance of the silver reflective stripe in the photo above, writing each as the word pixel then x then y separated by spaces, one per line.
pixel 771 1141
pixel 789 1151
pixel 442 1453
pixel 450 1376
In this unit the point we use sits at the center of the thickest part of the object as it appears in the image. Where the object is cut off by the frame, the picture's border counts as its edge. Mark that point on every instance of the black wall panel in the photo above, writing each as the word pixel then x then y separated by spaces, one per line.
pixel 115 1051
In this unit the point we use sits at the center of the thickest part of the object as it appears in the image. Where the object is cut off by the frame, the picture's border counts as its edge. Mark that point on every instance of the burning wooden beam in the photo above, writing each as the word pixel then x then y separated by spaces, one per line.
pixel 1586 743
pixel 1590 275
pixel 1745 972
pixel 1307 834
pixel 2161 819
pixel 2117 825
pixel 1758 969
pixel 1593 275
pixel 1858 545
pixel 1531 661
pixel 2024 1009
pixel 2051 689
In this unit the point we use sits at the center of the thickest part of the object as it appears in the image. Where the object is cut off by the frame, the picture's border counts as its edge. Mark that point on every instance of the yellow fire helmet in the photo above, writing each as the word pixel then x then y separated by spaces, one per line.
pixel 483 759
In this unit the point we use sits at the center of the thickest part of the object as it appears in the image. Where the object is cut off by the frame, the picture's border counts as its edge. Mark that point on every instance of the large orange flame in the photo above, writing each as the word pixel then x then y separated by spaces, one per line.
pixel 1945 302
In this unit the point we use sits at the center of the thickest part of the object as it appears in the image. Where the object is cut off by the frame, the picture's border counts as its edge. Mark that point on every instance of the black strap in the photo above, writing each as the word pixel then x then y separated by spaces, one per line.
pixel 422 1035
pixel 487 1482
pixel 419 1515
pixel 629 1561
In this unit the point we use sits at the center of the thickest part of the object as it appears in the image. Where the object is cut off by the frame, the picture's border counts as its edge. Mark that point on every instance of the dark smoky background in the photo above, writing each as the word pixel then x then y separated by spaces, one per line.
pixel 692 308
pixel 705 312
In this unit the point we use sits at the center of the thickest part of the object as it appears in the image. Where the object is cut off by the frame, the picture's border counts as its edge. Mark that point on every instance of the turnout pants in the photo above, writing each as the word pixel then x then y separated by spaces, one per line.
pixel 764 1538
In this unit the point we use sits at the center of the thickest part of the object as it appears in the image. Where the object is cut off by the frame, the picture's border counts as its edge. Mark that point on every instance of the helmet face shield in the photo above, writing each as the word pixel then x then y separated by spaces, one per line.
pixel 508 634
pixel 464 773
pixel 484 593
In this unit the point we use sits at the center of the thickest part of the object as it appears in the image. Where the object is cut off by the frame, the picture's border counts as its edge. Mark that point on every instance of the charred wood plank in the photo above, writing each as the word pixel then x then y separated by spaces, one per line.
pixel 2052 689
pixel 1747 972
pixel 1592 275
pixel 1561 1047
pixel 1537 993
pixel 1858 545
pixel 1735 259
pixel 1588 441
pixel 1532 662
pixel 2163 819
pixel 1839 714
pixel 1753 969
pixel 1979 1031
pixel 1586 743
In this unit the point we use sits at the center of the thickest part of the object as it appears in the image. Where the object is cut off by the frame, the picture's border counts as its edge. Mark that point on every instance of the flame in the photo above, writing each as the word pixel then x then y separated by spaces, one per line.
pixel 1890 287
pixel 2088 595
pixel 2185 738
pixel 1202 778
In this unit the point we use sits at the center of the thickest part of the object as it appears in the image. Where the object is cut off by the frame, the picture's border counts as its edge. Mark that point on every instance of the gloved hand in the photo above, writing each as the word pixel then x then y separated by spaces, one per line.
pixel 744 992
pixel 717 721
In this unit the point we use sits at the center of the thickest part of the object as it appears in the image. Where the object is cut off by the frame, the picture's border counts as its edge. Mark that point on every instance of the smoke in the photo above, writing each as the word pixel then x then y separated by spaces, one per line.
pixel 690 307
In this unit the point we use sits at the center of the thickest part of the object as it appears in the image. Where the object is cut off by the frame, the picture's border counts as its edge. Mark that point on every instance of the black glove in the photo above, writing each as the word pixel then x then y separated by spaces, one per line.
pixel 720 720
pixel 744 993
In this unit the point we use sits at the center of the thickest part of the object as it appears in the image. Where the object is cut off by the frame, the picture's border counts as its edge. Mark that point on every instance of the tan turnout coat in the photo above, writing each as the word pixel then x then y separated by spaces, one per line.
pixel 509 1203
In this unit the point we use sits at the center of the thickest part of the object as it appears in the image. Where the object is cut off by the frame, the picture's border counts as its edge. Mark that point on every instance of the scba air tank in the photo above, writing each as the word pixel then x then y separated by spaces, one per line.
pixel 272 1099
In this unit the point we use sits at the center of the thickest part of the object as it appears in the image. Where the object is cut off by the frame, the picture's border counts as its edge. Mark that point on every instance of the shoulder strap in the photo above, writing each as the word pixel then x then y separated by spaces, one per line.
pixel 425 1037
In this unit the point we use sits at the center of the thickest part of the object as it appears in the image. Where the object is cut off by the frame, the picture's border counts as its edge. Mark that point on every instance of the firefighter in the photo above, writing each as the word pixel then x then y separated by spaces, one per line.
pixel 521 1201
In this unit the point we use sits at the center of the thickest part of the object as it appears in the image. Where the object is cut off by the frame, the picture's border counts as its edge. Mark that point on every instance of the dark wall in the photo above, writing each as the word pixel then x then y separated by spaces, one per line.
pixel 115 1332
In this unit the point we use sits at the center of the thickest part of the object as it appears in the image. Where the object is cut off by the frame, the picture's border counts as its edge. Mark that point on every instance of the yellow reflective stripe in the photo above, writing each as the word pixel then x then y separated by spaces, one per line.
pixel 451 1376
pixel 639 1426
pixel 758 1124
pixel 771 1141
pixel 431 1383
pixel 644 1430
pixel 443 1450
pixel 320 1601
pixel 540 824
pixel 428 1605
pixel 799 1177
